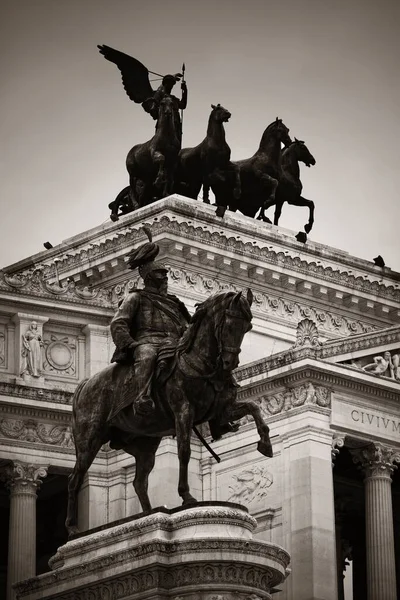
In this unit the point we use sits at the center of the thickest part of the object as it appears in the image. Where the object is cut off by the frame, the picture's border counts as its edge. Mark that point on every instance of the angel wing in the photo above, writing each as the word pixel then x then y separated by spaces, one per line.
pixel 135 76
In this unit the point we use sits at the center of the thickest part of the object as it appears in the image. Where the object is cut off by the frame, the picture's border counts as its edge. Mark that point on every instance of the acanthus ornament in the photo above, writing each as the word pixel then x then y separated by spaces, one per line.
pixel 338 441
pixel 250 485
pixel 294 397
pixel 24 477
pixel 376 459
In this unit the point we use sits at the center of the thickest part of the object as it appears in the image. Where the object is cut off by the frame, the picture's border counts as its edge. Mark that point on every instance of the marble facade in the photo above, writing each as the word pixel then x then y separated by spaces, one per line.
pixel 320 317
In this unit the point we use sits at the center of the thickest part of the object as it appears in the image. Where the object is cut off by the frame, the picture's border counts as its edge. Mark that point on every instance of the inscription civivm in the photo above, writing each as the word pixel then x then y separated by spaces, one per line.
pixel 367 418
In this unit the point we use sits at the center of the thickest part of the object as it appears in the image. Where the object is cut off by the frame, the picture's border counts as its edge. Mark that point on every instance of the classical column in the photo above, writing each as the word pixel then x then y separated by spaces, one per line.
pixel 377 462
pixel 23 482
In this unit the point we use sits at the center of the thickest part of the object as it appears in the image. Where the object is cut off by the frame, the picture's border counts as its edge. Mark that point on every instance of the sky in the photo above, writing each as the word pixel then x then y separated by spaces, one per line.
pixel 328 68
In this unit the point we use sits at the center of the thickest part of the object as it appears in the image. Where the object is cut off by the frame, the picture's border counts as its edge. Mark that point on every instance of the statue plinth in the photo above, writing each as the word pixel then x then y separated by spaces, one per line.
pixel 197 553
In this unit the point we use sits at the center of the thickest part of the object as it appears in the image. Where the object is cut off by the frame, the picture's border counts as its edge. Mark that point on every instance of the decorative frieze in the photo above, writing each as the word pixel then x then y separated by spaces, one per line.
pixel 250 485
pixel 33 283
pixel 31 431
pixel 294 397
pixel 23 391
pixel 348 345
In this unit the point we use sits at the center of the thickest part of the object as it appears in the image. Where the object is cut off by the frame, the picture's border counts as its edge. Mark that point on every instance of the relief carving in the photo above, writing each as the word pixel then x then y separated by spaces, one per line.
pixel 60 355
pixel 294 397
pixel 250 485
pixel 307 334
pixel 31 431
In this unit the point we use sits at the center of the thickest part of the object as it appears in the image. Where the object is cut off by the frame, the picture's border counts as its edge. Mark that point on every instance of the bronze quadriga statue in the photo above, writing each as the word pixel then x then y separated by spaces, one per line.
pixel 172 372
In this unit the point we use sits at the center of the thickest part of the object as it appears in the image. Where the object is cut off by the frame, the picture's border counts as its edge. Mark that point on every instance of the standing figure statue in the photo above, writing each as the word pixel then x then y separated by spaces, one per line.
pixel 32 351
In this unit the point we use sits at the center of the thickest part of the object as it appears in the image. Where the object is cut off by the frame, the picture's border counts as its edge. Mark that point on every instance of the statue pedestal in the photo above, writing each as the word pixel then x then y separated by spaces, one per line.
pixel 206 552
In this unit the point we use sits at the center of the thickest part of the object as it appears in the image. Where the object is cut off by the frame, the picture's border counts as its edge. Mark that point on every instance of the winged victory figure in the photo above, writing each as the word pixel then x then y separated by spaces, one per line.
pixel 136 82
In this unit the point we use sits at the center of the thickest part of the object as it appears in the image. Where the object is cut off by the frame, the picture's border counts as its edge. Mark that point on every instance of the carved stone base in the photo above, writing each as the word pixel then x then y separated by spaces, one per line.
pixel 205 552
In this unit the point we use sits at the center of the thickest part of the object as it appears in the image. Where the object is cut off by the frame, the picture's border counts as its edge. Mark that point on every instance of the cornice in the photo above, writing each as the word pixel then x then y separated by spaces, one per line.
pixel 13 390
pixel 365 341
pixel 175 220
pixel 34 284
pixel 319 376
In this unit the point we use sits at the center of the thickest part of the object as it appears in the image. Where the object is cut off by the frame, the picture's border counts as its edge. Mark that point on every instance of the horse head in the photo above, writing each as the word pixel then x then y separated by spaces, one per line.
pixel 166 108
pixel 220 114
pixel 302 153
pixel 235 323
pixel 275 132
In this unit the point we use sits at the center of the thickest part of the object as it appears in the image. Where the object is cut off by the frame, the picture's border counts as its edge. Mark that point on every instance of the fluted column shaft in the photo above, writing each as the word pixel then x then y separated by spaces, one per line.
pixel 381 567
pixel 378 463
pixel 23 482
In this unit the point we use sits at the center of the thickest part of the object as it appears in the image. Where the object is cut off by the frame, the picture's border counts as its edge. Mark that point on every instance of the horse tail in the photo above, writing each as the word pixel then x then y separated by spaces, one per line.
pixel 76 395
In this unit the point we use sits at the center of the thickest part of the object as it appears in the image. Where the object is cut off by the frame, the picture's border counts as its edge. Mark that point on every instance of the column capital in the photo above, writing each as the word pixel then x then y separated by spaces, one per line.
pixel 24 478
pixel 376 459
pixel 338 441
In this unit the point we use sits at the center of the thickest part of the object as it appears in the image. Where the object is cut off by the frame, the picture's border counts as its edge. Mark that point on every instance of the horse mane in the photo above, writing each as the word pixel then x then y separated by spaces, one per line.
pixel 212 304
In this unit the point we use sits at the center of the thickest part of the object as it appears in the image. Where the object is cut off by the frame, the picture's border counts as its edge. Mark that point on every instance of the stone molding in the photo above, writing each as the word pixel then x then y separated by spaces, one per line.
pixel 58 396
pixel 376 460
pixel 181 226
pixel 264 304
pixel 360 342
pixel 24 478
pixel 33 283
pixel 30 430
pixel 188 576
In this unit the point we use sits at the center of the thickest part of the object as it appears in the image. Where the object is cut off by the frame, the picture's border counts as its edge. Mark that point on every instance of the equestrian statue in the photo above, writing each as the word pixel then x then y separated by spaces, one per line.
pixel 170 372
pixel 290 187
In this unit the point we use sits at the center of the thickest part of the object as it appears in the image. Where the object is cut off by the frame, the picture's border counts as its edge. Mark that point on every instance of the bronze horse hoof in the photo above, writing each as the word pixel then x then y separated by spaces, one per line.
pixel 265 448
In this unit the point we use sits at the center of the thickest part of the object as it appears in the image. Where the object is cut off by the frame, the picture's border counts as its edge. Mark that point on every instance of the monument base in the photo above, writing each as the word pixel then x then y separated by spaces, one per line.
pixel 205 552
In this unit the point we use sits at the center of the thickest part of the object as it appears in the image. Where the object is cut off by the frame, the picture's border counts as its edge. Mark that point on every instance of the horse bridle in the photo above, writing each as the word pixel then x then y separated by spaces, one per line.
pixel 230 349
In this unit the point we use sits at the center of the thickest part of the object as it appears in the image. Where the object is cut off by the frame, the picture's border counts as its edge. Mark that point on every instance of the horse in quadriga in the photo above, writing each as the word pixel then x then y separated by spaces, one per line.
pixel 290 187
pixel 189 387
pixel 259 175
pixel 153 163
pixel 211 158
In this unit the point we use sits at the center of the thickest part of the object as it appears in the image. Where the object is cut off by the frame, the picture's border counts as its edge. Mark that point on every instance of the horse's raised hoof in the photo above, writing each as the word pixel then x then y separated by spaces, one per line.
pixel 307 228
pixel 265 448
pixel 114 217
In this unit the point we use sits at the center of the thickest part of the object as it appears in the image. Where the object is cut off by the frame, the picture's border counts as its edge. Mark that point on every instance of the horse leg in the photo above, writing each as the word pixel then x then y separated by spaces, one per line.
pixel 278 212
pixel 85 455
pixel 237 190
pixel 206 190
pixel 183 428
pixel 300 201
pixel 160 181
pixel 261 215
pixel 144 450
pixel 240 409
